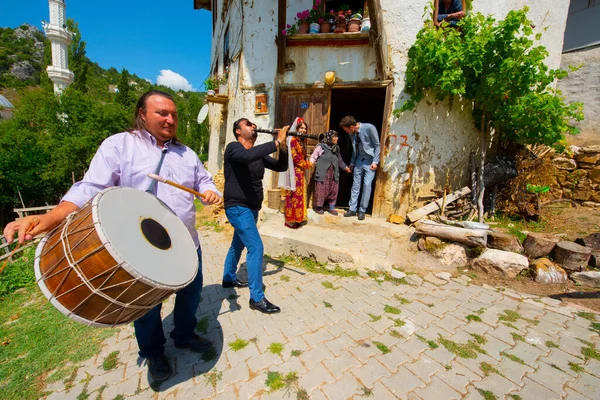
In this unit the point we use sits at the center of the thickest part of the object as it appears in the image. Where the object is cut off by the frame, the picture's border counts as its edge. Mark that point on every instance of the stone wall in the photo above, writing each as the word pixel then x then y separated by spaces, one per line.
pixel 578 176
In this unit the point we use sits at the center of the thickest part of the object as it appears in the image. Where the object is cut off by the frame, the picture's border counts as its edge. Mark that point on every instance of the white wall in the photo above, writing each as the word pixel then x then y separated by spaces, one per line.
pixel 440 139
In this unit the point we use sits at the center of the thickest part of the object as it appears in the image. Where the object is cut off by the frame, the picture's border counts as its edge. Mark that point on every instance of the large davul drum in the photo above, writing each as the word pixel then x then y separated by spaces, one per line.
pixel 116 258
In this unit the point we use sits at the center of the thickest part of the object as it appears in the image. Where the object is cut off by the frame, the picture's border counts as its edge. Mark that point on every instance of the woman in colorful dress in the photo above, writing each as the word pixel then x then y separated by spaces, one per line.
pixel 295 200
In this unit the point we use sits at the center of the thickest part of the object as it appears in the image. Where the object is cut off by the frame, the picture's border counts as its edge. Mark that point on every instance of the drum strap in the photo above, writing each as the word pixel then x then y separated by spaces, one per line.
pixel 157 171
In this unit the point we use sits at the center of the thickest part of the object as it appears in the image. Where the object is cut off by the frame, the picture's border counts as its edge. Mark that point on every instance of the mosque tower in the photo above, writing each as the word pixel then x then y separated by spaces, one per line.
pixel 60 38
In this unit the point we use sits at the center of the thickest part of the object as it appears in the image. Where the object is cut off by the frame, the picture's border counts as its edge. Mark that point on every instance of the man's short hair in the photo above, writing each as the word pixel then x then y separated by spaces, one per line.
pixel 348 121
pixel 237 125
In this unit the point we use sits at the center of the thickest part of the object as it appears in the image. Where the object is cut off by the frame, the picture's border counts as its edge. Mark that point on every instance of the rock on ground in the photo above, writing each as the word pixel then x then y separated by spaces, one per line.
pixel 505 262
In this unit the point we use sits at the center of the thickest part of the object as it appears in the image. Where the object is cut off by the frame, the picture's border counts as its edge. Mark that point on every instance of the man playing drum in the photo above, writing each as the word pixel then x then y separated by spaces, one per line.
pixel 125 159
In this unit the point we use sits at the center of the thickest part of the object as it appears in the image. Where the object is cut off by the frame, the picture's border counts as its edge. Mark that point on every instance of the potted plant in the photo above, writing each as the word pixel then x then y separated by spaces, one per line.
pixel 366 22
pixel 211 84
pixel 340 22
pixel 354 23
pixel 223 88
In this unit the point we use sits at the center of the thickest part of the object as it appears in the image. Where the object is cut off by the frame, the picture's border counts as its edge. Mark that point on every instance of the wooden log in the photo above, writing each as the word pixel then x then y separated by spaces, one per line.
pixel 470 237
pixel 572 256
pixel 593 242
pixel 504 241
pixel 436 205
pixel 538 245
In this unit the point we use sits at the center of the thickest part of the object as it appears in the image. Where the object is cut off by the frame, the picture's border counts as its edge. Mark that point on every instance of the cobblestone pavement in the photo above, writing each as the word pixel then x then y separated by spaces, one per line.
pixel 344 338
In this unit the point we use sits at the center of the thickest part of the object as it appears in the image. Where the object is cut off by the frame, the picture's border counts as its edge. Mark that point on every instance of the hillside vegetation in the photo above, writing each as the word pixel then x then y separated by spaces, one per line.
pixel 48 142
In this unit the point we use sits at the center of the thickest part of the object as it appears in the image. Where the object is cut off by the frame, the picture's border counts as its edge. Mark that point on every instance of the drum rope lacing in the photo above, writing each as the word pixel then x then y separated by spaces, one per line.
pixel 74 264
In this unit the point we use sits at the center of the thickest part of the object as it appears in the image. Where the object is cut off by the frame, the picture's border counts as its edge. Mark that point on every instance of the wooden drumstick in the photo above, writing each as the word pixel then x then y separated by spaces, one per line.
pixel 177 185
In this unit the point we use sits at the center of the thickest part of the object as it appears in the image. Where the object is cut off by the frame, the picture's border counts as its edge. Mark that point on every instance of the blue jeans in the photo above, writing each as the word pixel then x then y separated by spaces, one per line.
pixel 246 235
pixel 362 168
pixel 149 330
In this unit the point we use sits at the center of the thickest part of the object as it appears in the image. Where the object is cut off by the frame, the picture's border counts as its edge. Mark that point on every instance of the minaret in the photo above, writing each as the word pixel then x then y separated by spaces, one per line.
pixel 60 38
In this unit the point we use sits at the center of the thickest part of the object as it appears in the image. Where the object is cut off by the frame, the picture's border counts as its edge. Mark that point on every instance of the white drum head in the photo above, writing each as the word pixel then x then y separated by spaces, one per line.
pixel 146 236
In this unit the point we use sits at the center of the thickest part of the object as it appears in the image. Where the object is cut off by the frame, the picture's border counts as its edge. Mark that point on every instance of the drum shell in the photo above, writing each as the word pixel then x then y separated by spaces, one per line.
pixel 129 296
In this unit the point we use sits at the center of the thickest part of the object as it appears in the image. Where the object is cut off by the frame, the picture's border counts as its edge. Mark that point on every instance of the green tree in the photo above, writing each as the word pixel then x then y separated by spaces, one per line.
pixel 495 65
pixel 123 96
pixel 78 62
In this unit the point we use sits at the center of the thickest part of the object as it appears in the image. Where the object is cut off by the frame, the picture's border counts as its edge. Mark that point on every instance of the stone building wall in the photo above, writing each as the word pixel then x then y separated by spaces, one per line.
pixel 578 176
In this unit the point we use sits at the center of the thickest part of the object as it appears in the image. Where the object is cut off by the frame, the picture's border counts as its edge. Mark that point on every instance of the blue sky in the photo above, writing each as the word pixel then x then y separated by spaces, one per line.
pixel 144 37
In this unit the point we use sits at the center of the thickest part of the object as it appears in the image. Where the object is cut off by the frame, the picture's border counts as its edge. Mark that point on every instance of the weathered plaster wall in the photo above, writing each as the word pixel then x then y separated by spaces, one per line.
pixel 584 85
pixel 439 140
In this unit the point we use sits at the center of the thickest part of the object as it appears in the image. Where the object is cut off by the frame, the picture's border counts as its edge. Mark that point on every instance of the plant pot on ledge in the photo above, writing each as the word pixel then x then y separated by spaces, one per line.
pixel 303 28
pixel 325 27
pixel 314 28
pixel 223 90
pixel 354 25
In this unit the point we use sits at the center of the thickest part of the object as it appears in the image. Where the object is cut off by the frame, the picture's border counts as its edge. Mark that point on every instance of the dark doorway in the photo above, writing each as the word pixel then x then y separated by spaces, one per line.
pixel 366 105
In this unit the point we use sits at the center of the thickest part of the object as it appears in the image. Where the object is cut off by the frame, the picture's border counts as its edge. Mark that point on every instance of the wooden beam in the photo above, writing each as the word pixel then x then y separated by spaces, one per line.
pixel 281 42
pixel 341 85
pixel 437 204
pixel 379 194
pixel 470 237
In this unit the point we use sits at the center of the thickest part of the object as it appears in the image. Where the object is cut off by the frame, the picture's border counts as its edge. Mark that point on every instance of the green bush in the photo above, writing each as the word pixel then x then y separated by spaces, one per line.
pixel 19 273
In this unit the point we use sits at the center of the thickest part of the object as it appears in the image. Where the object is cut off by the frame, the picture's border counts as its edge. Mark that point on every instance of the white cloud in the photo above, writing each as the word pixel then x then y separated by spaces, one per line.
pixel 173 80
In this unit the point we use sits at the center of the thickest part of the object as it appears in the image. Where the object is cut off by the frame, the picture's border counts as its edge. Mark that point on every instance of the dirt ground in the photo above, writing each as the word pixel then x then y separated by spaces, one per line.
pixel 570 223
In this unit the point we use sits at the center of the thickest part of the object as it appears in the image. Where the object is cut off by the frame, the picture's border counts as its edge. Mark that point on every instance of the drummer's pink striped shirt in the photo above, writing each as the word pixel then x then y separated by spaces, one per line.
pixel 125 159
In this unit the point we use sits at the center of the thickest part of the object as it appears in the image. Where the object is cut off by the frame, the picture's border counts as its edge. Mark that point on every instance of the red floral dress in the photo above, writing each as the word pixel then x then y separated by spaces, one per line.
pixel 295 201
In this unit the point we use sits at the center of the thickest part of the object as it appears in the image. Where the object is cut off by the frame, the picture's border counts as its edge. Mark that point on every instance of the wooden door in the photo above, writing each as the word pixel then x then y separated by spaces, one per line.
pixel 313 106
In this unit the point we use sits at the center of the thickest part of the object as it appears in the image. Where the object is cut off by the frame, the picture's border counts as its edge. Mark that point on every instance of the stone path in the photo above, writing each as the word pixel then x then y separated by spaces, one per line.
pixel 349 338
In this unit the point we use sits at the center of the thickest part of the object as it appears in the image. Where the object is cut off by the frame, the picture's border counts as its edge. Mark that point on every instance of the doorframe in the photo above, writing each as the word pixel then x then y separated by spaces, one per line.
pixel 379 194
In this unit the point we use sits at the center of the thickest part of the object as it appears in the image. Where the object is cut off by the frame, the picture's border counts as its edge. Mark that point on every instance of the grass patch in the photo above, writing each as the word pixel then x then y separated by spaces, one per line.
pixel 472 317
pixel 486 394
pixel 276 348
pixel 202 325
pixel 387 277
pixel 276 381
pixel 479 339
pixel 37 339
pixel 488 369
pixel 214 225
pixel 285 278
pixel 310 265
pixel 209 355
pixel 111 361
pixel 399 323
pixel 556 367
pixel 517 337
pixel 551 344
pixel 19 273
pixel 119 397
pixel 374 318
pixel 365 392
pixel 296 353
pixel 590 353
pixel 402 300
pixel 391 310
pixel 595 327
pixel 513 316
pixel 587 315
pixel 511 325
pixel 576 367
pixel 396 334
pixel 512 358
pixel 326 304
pixel 432 345
pixel 382 347
pixel 515 397
pixel 467 350
pixel 329 285
pixel 213 377
pixel 238 344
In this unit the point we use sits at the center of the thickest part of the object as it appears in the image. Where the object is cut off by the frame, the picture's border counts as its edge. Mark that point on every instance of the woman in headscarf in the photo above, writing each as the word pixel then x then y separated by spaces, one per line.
pixel 295 196
pixel 327 173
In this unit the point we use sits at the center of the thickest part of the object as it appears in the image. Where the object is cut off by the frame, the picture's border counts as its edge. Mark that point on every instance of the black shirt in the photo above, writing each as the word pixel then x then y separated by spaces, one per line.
pixel 244 171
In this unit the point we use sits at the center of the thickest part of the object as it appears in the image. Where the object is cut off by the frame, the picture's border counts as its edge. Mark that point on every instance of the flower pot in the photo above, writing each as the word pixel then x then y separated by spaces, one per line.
pixel 210 92
pixel 354 25
pixel 223 90
pixel 314 28
pixel 303 28
pixel 340 24
pixel 325 27
pixel 366 25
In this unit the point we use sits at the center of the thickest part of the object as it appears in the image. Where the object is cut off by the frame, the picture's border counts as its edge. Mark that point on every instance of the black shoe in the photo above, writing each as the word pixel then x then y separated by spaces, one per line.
pixel 361 216
pixel 237 283
pixel 319 211
pixel 196 344
pixel 159 367
pixel 350 213
pixel 264 306
pixel 332 211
